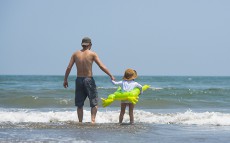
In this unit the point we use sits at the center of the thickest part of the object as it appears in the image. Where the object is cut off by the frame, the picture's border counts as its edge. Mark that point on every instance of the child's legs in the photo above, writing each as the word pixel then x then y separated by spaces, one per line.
pixel 131 107
pixel 123 106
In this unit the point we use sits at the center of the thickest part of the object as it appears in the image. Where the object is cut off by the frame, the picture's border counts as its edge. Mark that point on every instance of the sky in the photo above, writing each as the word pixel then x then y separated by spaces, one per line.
pixel 154 37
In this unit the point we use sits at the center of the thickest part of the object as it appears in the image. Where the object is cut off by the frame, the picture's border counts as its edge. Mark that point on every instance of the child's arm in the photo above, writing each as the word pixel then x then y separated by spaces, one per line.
pixel 139 86
pixel 116 82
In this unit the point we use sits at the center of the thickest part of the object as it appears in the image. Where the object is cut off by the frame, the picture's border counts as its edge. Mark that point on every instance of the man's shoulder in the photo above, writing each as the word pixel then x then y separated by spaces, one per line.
pixel 92 53
pixel 75 53
pixel 88 52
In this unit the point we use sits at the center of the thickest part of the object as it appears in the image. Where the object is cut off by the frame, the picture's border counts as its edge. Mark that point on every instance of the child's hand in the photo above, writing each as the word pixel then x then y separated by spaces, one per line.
pixel 113 82
pixel 141 92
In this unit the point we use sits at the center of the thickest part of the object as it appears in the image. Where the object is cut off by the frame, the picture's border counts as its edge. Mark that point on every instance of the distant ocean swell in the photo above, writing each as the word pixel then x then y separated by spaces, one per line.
pixel 152 98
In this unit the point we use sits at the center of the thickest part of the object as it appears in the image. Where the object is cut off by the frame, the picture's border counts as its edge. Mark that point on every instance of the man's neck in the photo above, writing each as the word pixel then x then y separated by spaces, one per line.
pixel 84 49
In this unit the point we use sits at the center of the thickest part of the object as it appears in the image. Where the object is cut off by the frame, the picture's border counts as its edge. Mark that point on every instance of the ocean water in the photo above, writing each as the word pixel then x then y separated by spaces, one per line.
pixel 175 109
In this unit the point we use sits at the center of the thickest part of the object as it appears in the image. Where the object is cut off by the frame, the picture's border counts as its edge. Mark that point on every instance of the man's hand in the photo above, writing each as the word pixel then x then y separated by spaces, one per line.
pixel 112 78
pixel 65 84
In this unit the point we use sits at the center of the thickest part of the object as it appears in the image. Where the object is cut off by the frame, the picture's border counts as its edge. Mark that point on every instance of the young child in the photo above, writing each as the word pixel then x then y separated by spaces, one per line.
pixel 128 84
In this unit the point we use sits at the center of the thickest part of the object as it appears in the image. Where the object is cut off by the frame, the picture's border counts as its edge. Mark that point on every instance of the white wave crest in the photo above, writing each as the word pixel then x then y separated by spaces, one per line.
pixel 140 116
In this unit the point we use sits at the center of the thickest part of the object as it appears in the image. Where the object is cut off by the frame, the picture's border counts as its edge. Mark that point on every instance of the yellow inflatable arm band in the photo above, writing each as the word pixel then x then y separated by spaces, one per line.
pixel 131 96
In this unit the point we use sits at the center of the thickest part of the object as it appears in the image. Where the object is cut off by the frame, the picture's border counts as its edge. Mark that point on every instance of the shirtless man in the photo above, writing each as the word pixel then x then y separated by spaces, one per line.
pixel 85 84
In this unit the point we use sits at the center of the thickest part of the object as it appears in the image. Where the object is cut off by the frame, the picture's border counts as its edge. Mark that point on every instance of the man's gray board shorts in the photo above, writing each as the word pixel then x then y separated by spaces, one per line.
pixel 85 87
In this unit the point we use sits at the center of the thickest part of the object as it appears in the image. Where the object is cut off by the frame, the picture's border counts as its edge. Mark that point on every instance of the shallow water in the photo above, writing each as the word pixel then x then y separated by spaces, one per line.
pixel 174 109
pixel 86 132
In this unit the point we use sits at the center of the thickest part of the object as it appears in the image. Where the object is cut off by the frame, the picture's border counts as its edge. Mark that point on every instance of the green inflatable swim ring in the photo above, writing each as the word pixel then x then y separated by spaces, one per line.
pixel 131 96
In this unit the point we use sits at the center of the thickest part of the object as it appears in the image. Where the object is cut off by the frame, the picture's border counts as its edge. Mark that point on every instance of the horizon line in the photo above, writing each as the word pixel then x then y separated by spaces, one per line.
pixel 113 75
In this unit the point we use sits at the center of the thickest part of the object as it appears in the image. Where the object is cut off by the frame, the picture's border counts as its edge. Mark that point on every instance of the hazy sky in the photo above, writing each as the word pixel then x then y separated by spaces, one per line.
pixel 155 37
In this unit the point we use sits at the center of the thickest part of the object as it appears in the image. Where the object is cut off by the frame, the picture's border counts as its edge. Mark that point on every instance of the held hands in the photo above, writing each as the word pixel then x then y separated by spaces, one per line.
pixel 112 78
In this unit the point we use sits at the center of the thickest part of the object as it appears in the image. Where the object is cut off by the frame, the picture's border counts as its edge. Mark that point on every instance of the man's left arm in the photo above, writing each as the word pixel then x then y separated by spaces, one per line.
pixel 102 66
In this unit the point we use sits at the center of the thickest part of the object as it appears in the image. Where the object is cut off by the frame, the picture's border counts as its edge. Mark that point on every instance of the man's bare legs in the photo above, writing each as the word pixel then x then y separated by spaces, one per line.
pixel 80 114
pixel 93 114
pixel 122 112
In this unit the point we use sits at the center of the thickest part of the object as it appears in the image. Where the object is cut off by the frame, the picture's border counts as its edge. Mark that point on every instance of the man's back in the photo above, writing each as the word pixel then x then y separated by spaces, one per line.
pixel 84 60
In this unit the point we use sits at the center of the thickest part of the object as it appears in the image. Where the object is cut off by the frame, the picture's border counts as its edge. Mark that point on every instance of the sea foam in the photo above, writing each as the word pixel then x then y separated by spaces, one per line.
pixel 186 118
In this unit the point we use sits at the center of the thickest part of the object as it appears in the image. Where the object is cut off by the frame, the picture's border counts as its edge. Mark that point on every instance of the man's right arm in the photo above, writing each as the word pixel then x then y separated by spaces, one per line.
pixel 67 72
